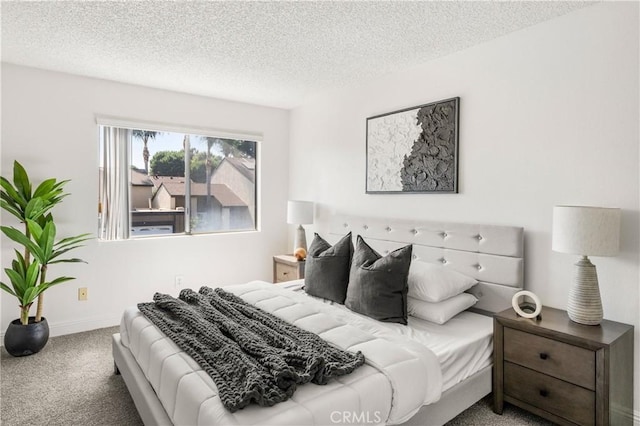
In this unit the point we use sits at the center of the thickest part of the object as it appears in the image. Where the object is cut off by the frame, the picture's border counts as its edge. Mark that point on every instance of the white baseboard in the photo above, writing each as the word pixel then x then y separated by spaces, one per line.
pixel 78 326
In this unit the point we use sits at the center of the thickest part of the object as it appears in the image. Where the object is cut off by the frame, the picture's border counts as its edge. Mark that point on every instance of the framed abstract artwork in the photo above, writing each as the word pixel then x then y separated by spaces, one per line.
pixel 414 150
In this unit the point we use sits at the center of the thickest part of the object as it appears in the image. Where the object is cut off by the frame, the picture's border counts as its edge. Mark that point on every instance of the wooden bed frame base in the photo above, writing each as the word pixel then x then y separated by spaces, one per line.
pixel 453 401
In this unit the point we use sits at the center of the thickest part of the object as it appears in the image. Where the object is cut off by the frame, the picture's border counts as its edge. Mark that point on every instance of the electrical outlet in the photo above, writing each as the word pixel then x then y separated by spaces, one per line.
pixel 82 293
pixel 179 281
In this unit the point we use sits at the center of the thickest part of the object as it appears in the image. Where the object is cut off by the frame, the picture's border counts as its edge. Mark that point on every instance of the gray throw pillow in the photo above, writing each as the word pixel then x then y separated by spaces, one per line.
pixel 377 284
pixel 326 271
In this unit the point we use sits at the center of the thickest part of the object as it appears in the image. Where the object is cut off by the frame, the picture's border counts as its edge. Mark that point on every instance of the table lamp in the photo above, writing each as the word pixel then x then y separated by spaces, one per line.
pixel 300 212
pixel 586 231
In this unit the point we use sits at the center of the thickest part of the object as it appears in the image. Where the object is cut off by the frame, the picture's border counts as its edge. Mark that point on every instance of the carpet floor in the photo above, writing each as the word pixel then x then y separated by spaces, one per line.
pixel 71 382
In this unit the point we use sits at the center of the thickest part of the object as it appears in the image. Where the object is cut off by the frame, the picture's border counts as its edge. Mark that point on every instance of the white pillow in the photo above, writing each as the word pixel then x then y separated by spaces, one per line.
pixel 440 312
pixel 434 283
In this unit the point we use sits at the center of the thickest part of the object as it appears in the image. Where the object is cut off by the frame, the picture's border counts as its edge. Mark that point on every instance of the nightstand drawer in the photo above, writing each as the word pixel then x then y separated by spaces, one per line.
pixel 287 268
pixel 569 373
pixel 285 272
pixel 561 360
pixel 555 396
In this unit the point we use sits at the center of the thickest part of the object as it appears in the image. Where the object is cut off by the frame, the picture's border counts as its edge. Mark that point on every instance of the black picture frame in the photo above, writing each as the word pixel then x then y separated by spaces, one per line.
pixel 414 150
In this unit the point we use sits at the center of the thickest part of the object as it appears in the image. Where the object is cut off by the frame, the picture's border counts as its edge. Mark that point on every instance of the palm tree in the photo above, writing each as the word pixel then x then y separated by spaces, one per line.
pixel 145 135
pixel 208 171
pixel 208 163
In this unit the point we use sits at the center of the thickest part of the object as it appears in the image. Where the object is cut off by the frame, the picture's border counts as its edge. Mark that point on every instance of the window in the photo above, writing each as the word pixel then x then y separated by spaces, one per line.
pixel 165 183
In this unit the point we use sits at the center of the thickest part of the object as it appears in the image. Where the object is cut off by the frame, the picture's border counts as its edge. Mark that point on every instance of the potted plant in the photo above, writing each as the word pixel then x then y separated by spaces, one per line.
pixel 27 275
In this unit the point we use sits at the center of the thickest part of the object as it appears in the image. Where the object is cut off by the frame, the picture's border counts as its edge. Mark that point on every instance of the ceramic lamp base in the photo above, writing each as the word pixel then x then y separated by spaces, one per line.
pixel 300 240
pixel 585 305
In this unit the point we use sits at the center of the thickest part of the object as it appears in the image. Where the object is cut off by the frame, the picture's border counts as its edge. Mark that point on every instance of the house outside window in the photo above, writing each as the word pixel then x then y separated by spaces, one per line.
pixel 147 189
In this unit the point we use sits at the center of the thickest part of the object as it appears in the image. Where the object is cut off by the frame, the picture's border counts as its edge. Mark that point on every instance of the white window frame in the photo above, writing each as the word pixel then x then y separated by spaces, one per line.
pixel 120 122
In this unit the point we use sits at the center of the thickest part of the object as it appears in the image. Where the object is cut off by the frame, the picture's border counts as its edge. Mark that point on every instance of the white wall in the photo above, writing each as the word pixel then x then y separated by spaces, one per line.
pixel 48 124
pixel 548 115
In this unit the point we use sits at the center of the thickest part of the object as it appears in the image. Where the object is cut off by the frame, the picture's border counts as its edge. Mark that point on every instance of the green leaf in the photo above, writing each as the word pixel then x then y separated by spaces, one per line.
pixel 12 193
pixel 11 208
pixel 58 253
pixel 29 296
pixel 17 281
pixel 38 290
pixel 45 188
pixel 34 228
pixel 74 240
pixel 19 263
pixel 33 271
pixel 22 279
pixel 22 239
pixel 42 220
pixel 73 260
pixel 59 280
pixel 56 198
pixel 70 245
pixel 10 196
pixel 56 193
pixel 44 238
pixel 15 234
pixel 7 289
pixel 47 240
pixel 20 258
pixel 35 208
pixel 21 180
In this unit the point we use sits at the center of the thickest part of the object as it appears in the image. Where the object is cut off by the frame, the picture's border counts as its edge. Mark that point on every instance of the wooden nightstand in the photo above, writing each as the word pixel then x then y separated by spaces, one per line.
pixel 563 371
pixel 287 268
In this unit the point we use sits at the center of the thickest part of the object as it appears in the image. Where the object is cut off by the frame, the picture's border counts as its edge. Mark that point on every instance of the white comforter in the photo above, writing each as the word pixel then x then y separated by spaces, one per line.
pixel 399 376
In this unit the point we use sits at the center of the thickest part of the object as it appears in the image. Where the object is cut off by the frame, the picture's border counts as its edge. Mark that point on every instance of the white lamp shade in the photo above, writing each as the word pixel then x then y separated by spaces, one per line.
pixel 299 212
pixel 587 231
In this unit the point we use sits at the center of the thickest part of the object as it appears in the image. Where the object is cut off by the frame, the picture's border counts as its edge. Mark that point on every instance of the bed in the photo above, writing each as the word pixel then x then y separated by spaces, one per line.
pixel 168 387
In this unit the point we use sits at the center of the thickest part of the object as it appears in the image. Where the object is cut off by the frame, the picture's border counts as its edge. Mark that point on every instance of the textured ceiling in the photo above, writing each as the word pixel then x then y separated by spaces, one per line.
pixel 269 53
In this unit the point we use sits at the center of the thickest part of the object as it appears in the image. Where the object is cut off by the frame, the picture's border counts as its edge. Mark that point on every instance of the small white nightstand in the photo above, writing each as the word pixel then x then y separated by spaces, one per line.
pixel 287 268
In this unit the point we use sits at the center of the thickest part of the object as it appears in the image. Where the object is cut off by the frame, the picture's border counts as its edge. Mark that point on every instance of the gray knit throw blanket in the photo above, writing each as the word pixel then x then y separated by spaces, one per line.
pixel 251 355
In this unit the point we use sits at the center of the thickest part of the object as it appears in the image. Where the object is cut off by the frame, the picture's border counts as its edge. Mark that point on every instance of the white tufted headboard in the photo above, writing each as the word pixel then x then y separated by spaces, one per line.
pixel 491 254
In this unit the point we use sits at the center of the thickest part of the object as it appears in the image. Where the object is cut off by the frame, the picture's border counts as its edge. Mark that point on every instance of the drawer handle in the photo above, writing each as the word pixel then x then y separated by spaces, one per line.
pixel 285 273
pixel 544 356
pixel 544 393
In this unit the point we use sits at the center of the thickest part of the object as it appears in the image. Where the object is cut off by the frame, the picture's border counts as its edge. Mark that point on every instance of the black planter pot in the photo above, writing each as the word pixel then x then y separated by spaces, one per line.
pixel 23 340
